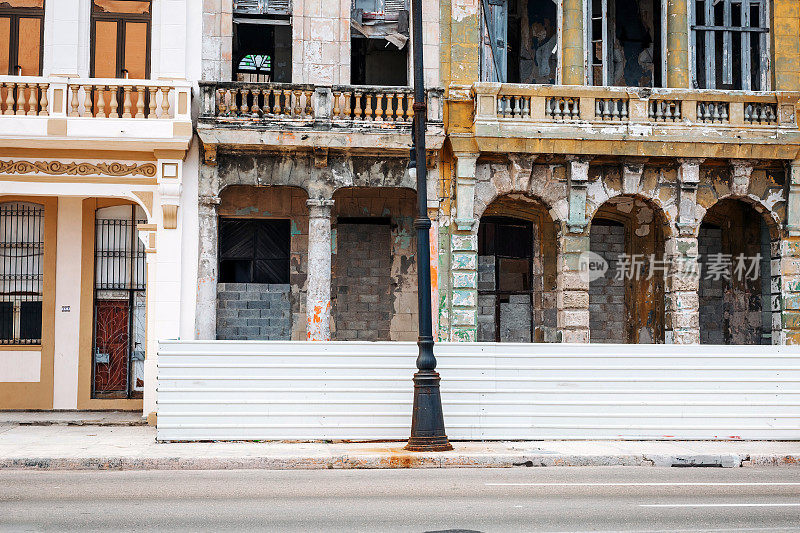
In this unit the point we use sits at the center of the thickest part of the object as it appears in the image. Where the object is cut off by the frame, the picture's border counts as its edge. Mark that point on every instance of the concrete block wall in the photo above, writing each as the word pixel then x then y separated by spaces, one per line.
pixel 711 292
pixel 361 303
pixel 254 311
pixel 607 318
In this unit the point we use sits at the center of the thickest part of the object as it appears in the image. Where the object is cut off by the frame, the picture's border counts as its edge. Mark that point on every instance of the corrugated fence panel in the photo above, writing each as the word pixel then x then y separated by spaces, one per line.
pixel 228 390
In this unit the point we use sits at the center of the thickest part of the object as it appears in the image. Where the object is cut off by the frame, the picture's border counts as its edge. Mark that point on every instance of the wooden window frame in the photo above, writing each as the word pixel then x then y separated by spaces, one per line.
pixel 120 19
pixel 15 13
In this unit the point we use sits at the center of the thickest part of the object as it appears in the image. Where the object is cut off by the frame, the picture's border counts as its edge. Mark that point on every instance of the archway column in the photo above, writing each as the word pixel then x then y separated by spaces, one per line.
pixel 786 270
pixel 573 289
pixel 682 285
pixel 318 297
pixel 206 320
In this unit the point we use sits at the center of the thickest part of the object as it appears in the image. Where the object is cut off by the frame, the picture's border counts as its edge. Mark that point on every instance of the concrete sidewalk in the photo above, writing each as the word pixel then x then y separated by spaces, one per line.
pixel 86 447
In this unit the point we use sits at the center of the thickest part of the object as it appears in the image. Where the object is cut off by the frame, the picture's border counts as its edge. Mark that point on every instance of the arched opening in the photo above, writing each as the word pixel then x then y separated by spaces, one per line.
pixel 517 258
pixel 120 303
pixel 735 293
pixel 626 303
pixel 374 265
pixel 263 252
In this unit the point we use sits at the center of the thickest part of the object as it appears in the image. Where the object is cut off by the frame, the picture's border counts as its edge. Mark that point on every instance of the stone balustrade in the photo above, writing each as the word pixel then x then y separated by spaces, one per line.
pixel 293 105
pixel 578 104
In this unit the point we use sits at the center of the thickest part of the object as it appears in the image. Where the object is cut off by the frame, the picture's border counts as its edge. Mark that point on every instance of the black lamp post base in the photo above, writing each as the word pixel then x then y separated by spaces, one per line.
pixel 427 426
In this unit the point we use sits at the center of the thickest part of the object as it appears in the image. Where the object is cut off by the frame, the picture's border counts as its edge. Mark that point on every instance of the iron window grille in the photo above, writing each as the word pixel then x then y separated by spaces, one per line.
pixel 21 266
pixel 730 44
pixel 119 305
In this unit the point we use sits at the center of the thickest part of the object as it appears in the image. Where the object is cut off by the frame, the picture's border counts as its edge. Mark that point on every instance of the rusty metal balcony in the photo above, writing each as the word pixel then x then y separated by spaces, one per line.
pixel 635 121
pixel 239 115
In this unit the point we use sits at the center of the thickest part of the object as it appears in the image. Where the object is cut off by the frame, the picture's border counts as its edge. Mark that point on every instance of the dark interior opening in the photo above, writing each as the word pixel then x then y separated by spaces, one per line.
pixel 378 62
pixel 262 50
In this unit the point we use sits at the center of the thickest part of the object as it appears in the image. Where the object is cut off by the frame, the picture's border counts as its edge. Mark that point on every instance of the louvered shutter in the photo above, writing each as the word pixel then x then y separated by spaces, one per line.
pixel 262 7
pixel 494 54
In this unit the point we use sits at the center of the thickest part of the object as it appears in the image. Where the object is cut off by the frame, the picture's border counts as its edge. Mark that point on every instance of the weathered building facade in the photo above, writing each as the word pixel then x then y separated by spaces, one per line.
pixel 95 130
pixel 306 203
pixel 661 135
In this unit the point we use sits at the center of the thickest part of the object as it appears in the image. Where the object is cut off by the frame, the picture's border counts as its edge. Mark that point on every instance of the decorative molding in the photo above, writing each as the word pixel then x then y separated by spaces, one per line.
pixel 57 168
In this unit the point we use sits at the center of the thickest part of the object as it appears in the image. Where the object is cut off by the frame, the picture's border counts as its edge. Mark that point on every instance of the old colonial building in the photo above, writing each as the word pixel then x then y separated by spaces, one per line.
pixel 306 203
pixel 663 132
pixel 94 132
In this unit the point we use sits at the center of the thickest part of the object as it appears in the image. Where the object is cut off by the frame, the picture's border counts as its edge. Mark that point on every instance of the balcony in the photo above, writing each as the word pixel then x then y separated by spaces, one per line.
pixel 634 121
pixel 95 114
pixel 236 115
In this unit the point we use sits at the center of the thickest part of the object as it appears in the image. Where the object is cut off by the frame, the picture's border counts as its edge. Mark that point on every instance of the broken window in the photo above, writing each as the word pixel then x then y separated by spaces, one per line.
pixel 379 32
pixel 21 255
pixel 625 43
pixel 254 251
pixel 262 41
pixel 21 37
pixel 520 41
pixel 730 44
pixel 120 272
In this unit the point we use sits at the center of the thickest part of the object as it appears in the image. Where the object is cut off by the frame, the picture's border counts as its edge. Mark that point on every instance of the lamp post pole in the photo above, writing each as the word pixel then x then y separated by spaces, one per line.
pixel 427 422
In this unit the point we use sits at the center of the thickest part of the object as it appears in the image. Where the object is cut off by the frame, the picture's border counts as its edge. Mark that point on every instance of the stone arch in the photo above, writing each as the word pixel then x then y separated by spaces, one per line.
pixel 737 237
pixel 518 250
pixel 626 302
pixel 761 206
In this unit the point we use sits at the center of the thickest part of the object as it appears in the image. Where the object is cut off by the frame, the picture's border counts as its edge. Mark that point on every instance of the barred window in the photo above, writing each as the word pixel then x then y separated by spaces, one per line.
pixel 730 44
pixel 21 264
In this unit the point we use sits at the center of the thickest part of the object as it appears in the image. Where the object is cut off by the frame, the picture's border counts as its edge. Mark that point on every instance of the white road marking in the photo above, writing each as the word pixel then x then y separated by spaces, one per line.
pixel 661 505
pixel 698 484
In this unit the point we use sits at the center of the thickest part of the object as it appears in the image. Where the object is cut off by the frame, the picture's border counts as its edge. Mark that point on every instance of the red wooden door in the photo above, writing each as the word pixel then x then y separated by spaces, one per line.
pixel 112 321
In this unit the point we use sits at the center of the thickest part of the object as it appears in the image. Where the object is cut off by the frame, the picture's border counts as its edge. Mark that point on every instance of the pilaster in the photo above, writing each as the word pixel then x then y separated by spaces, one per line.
pixel 572 58
pixel 793 205
pixel 573 288
pixel 577 182
pixel 682 283
pixel 688 179
pixel 206 320
pixel 677 44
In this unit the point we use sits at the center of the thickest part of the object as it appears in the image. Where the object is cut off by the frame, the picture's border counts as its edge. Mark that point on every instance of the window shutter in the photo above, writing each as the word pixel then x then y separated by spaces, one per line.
pixel 494 56
pixel 262 7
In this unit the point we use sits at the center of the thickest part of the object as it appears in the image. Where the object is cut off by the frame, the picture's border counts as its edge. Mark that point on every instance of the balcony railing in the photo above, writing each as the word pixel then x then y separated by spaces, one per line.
pixel 295 105
pixel 630 108
pixel 121 109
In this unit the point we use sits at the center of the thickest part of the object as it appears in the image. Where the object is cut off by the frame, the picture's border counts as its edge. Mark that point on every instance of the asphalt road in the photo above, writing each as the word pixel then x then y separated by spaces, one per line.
pixel 519 499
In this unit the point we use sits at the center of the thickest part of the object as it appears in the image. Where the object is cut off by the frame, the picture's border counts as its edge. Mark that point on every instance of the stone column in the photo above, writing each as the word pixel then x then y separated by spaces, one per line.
pixel 786 269
pixel 573 289
pixel 572 57
pixel 677 45
pixel 206 321
pixel 682 314
pixel 318 297
pixel 682 283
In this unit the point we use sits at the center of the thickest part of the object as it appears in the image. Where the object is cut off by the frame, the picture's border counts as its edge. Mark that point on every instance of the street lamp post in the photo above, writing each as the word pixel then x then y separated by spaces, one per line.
pixel 427 422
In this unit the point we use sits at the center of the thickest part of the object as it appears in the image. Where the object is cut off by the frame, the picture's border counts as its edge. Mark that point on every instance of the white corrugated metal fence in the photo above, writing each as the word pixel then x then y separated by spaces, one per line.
pixel 228 390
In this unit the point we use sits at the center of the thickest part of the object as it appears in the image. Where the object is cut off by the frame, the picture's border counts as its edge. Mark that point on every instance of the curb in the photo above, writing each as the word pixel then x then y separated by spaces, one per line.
pixel 394 461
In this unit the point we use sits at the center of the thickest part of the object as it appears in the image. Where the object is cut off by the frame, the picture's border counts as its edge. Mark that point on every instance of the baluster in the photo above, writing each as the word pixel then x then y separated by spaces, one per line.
pixel 233 107
pixel 336 109
pixel 151 114
pixel 409 107
pixel 126 101
pixel 73 103
pixel 526 108
pixel 87 101
pixel 557 108
pixel 358 112
pixel 517 110
pixel 220 102
pixel 598 108
pixel 379 107
pixel 748 113
pixel 286 104
pixel 101 101
pixel 21 98
pixel 309 104
pixel 770 114
pixel 298 110
pixel 606 108
pixel 723 115
pixel 391 110
pixel 255 110
pixel 114 103
pixel 667 111
pixel 624 109
pixel 762 115
pixel 165 102
pixel 368 112
pixel 276 102
pixel 244 110
pixel 43 103
pixel 346 109
pixel 499 106
pixel 140 98
pixel 32 99
pixel 652 109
